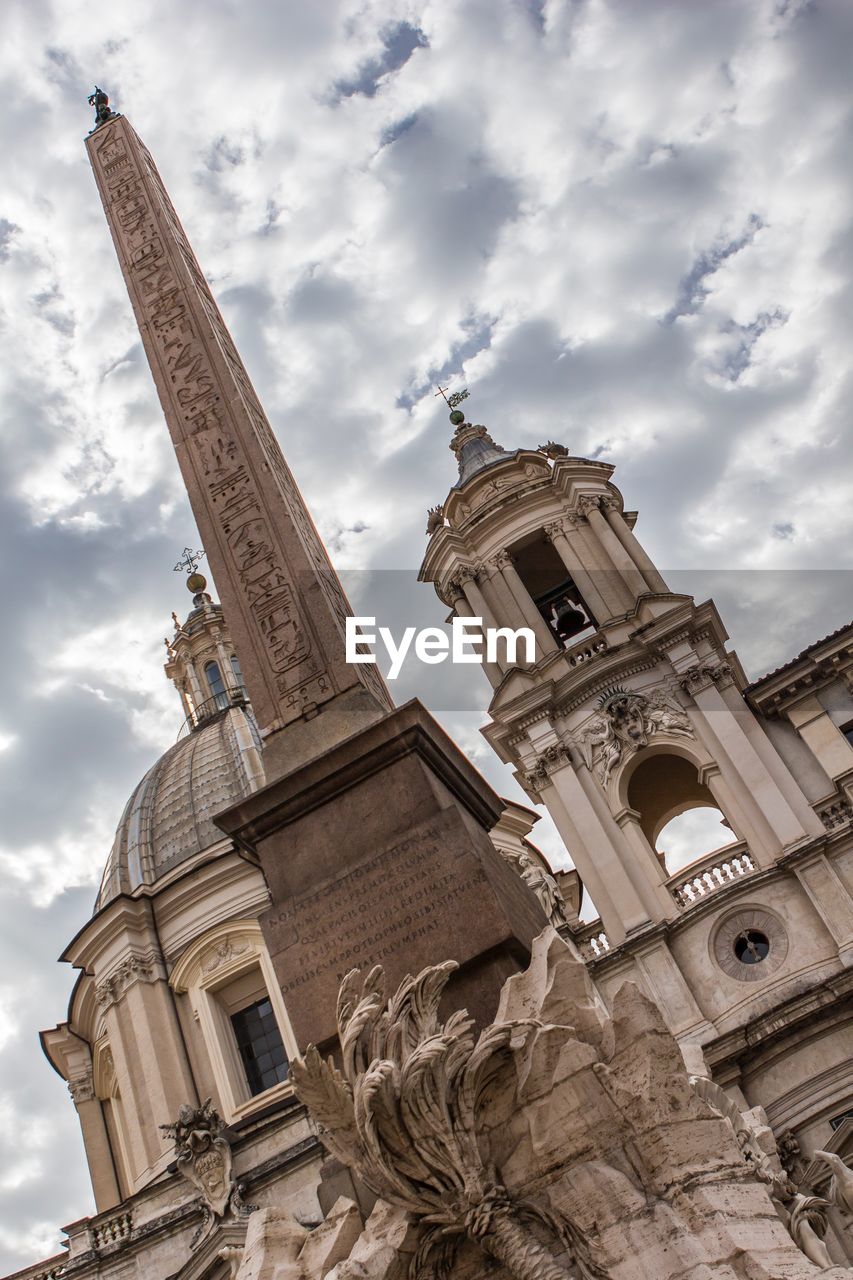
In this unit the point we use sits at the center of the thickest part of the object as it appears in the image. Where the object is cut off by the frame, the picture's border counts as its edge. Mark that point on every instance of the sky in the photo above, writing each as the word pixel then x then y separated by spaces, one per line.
pixel 625 225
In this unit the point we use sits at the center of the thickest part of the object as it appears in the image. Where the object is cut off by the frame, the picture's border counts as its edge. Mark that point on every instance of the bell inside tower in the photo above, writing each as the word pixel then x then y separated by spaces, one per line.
pixel 552 589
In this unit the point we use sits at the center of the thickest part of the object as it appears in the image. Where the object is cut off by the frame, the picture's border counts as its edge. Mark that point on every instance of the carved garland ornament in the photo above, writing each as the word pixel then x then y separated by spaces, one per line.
pixel 626 723
pixel 403 1113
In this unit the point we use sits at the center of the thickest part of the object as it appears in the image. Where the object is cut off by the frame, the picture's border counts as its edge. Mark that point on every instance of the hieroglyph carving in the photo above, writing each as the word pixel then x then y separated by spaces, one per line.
pixel 404 1114
pixel 204 1158
pixel 626 723
pixel 213 411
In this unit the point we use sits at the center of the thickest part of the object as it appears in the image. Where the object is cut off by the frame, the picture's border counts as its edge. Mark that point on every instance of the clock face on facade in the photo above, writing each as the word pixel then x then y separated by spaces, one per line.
pixel 750 944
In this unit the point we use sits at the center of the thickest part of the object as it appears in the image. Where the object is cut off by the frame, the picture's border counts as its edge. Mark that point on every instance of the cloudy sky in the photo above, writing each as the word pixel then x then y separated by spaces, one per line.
pixel 624 224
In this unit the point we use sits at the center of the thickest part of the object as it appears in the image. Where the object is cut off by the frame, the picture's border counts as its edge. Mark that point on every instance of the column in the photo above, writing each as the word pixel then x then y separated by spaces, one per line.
pixel 773 762
pixel 590 506
pixel 224 660
pixel 648 860
pixel 672 993
pixel 149 1055
pixel 821 736
pixel 601 862
pixel 771 813
pixel 583 579
pixel 462 607
pixel 830 899
pixel 633 546
pixel 96 1141
pixel 198 694
pixel 508 574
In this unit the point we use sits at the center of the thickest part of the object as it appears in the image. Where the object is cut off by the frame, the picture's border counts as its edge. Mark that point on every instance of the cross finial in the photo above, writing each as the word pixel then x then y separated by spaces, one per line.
pixel 189 560
pixel 453 401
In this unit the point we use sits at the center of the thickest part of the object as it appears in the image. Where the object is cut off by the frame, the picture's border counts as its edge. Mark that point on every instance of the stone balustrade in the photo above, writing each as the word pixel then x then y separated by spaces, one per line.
pixel 836 812
pixel 586 650
pixel 112 1231
pixel 592 941
pixel 724 866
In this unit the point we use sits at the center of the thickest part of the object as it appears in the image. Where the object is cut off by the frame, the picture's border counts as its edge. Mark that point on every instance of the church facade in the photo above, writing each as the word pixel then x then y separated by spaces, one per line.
pixel 243 877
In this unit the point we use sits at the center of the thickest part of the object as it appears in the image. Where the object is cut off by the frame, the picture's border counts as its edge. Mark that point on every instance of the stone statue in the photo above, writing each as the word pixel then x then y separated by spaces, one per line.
pixel 807 1226
pixel 841 1186
pixel 435 518
pixel 204 1158
pixel 544 886
pixel 553 450
pixel 404 1114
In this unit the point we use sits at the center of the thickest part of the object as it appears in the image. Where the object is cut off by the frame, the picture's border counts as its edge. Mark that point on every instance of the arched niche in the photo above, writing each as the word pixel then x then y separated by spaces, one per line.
pixel 664 783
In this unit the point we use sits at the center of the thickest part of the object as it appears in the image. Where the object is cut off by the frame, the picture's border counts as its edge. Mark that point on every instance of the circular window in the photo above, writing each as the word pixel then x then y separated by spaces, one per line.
pixel 750 944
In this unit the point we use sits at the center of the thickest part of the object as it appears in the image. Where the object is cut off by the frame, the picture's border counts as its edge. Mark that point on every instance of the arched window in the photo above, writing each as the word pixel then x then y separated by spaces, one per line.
pixel 214 682
pixel 238 674
pixel 236 1001
pixel 678 814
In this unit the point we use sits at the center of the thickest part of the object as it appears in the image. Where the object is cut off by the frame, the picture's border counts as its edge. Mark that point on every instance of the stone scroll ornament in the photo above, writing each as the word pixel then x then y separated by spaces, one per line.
pixel 626 722
pixel 403 1113
pixel 204 1158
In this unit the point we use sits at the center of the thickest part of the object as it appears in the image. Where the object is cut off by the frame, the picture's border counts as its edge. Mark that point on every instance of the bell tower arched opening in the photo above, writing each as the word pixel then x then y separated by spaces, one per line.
pixel 552 589
pixel 679 815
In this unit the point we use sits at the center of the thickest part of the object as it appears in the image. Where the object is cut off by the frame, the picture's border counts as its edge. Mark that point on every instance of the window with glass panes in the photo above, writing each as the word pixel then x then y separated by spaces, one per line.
pixel 259 1042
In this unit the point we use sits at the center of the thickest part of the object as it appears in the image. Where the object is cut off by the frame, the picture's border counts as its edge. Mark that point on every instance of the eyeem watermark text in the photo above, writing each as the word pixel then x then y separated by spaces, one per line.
pixel 433 645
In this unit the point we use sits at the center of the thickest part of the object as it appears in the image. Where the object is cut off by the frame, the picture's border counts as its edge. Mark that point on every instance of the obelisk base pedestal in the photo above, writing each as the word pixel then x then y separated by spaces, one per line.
pixel 378 853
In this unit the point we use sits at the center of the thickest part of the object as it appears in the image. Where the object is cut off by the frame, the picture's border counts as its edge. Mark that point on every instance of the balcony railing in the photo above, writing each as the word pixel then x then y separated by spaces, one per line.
pixel 721 867
pixel 212 707
pixel 592 941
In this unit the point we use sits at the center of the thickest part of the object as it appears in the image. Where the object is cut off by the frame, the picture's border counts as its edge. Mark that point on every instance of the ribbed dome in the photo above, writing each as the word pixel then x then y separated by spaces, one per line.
pixel 169 816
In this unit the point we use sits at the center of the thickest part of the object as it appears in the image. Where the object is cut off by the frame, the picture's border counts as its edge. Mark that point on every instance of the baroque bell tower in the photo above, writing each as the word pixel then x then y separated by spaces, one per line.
pixel 634 711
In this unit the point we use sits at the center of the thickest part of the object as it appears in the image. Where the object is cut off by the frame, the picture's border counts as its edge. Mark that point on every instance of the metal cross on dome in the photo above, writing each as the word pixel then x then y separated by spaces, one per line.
pixel 189 560
pixel 455 399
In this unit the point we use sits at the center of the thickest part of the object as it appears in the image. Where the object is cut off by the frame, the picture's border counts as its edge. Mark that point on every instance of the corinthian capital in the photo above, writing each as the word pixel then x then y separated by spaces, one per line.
pixel 554 529
pixel 82 1088
pixel 500 560
pixel 588 502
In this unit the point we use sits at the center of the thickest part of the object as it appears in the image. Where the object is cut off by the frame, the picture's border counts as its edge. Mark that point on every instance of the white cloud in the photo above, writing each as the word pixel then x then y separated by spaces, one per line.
pixel 626 226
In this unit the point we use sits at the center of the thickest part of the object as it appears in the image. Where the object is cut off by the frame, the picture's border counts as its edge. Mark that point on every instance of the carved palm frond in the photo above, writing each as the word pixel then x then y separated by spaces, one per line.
pixel 404 1113
pixel 328 1097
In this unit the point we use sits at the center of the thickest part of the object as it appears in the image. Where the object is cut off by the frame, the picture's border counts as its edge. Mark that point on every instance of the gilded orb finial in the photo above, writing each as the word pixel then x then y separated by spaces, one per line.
pixel 188 563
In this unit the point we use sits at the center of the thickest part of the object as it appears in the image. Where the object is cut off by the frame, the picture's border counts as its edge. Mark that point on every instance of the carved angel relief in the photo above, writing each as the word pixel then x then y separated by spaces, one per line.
pixel 626 723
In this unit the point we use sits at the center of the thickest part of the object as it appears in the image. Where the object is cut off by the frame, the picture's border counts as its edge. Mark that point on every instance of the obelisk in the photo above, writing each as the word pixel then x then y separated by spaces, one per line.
pixel 372 830
pixel 283 600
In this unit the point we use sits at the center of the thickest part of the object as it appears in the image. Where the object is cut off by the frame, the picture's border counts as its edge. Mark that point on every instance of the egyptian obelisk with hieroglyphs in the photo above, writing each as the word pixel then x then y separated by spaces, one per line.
pixel 363 802
pixel 283 599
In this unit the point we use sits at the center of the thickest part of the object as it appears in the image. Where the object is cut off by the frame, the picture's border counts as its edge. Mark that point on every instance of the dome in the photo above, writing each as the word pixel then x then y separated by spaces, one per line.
pixel 169 816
